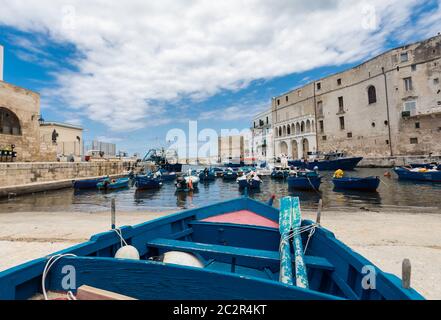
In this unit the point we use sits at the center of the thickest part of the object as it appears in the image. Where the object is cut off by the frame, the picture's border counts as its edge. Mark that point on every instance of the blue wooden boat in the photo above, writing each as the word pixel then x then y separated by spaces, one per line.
pixel 218 172
pixel 148 182
pixel 250 183
pixel 304 180
pixel 207 175
pixel 418 174
pixel 87 183
pixel 113 184
pixel 237 249
pixel 354 183
pixel 230 175
pixel 280 173
pixel 331 161
pixel 167 176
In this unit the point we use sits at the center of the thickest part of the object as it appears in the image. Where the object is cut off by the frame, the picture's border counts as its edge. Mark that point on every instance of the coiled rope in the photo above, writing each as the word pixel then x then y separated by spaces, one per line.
pixel 52 260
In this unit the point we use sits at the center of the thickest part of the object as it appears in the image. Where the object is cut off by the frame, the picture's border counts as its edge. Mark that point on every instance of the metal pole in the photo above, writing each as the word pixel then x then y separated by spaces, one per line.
pixel 113 213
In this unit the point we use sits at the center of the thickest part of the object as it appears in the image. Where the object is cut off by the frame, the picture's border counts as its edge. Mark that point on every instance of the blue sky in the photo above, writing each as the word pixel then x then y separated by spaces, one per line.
pixel 128 74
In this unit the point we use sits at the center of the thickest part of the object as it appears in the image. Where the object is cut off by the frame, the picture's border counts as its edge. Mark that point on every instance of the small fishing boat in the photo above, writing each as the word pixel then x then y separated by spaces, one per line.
pixel 304 180
pixel 149 181
pixel 240 249
pixel 280 173
pixel 112 184
pixel 250 181
pixel 87 183
pixel 207 175
pixel 230 174
pixel 218 172
pixel 329 161
pixel 418 174
pixel 188 182
pixel 167 176
pixel 355 183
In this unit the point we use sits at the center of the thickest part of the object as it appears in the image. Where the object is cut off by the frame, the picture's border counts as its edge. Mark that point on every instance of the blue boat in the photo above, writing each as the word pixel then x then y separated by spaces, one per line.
pixel 250 183
pixel 418 174
pixel 149 181
pixel 167 176
pixel 207 175
pixel 87 183
pixel 331 161
pixel 280 173
pixel 230 174
pixel 237 249
pixel 304 180
pixel 113 184
pixel 355 183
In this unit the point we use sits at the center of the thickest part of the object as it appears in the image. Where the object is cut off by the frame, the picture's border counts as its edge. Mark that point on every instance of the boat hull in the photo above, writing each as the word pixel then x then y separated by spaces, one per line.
pixel 252 184
pixel 304 183
pixel 430 176
pixel 353 183
pixel 87 184
pixel 147 183
pixel 118 184
pixel 323 165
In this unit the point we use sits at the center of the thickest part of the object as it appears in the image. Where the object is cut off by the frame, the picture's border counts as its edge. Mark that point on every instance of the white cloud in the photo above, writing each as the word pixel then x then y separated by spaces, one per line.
pixel 139 58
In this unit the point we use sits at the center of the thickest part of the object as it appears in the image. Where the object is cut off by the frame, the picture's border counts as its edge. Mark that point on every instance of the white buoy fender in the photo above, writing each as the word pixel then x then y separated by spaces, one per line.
pixel 127 252
pixel 183 259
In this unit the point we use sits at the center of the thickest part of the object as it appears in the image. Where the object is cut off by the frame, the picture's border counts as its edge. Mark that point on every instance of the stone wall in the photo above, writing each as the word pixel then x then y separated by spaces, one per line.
pixel 12 174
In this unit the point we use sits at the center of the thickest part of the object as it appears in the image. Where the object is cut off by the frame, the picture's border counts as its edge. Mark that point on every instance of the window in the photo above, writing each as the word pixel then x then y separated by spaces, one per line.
pixel 413 67
pixel 324 138
pixel 404 57
pixel 413 140
pixel 373 124
pixel 417 125
pixel 286 98
pixel 266 120
pixel 300 93
pixel 321 126
pixel 386 122
pixel 342 123
pixel 340 104
pixel 372 95
pixel 410 106
pixel 436 81
pixel 254 124
pixel 339 82
pixel 288 130
pixel 319 85
pixel 349 134
pixel 387 141
pixel 320 108
pixel 9 123
pixel 408 84
pixel 278 102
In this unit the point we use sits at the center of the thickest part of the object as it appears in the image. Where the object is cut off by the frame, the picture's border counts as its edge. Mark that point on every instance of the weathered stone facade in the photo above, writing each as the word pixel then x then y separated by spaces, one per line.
pixel 261 136
pixel 12 174
pixel 370 110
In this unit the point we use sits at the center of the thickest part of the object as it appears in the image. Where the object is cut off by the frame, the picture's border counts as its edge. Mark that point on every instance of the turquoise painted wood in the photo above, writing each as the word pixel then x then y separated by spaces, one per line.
pixel 300 268
pixel 285 225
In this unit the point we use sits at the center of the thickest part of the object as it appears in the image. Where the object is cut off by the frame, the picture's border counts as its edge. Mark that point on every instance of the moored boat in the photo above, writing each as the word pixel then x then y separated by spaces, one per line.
pixel 167 175
pixel 251 181
pixel 188 182
pixel 330 161
pixel 229 174
pixel 237 249
pixel 149 181
pixel 87 183
pixel 207 175
pixel 280 173
pixel 418 174
pixel 113 184
pixel 304 180
pixel 356 183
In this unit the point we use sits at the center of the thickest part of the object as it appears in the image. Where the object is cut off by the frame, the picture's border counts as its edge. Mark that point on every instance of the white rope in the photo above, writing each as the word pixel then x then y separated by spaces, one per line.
pixel 119 233
pixel 52 260
pixel 311 228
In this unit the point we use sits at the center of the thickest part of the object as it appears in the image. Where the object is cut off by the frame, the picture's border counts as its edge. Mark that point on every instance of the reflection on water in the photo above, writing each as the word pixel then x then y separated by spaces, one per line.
pixel 391 193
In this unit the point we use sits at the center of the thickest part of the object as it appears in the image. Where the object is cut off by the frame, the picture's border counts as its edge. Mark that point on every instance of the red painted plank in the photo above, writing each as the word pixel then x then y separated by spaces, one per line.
pixel 243 217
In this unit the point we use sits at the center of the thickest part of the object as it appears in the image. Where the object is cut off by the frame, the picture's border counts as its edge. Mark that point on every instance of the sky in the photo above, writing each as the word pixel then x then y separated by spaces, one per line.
pixel 130 71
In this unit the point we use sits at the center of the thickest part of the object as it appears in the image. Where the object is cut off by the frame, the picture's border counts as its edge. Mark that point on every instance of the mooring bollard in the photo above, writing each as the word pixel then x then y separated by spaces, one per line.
pixel 113 213
pixel 406 272
pixel 319 211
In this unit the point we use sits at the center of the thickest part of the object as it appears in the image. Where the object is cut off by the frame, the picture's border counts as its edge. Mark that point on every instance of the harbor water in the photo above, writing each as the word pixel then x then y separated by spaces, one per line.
pixel 392 194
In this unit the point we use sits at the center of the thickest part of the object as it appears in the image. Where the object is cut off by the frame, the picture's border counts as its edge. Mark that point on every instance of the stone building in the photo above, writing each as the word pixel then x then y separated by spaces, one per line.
pixel 1 63
pixel 261 136
pixel 387 106
pixel 231 149
pixel 66 138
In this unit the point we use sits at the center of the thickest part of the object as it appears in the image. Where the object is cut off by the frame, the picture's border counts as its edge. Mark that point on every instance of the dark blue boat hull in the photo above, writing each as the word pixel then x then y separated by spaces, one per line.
pixel 253 184
pixel 176 167
pixel 87 184
pixel 431 176
pixel 232 176
pixel 323 165
pixel 147 183
pixel 353 183
pixel 207 177
pixel 304 183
